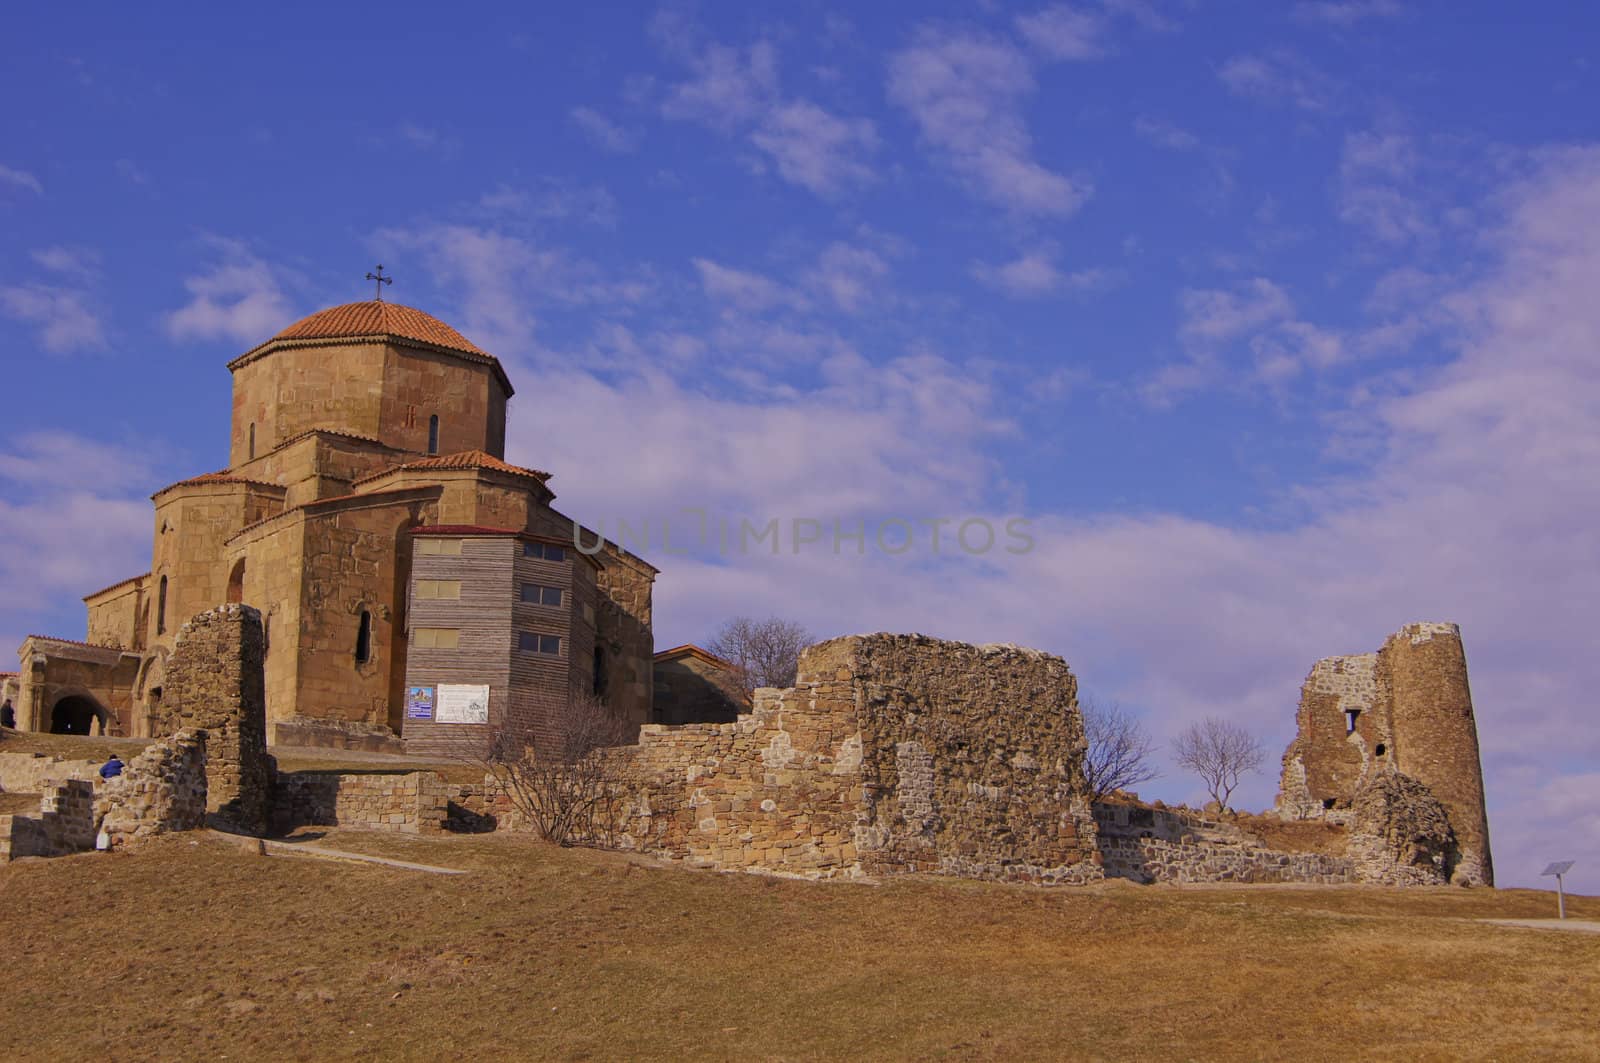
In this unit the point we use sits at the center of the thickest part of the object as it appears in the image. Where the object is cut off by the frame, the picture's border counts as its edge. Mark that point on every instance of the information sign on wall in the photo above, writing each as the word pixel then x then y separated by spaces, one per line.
pixel 419 703
pixel 460 703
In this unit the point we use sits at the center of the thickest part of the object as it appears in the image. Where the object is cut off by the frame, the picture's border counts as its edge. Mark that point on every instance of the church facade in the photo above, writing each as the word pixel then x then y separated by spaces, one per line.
pixel 412 582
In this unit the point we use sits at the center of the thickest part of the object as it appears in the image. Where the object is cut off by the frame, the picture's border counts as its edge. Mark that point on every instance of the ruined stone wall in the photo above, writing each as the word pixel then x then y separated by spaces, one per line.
pixel 30 773
pixel 1414 717
pixel 411 803
pixel 214 684
pixel 891 754
pixel 64 823
pixel 1424 669
pixel 1171 846
pixel 162 789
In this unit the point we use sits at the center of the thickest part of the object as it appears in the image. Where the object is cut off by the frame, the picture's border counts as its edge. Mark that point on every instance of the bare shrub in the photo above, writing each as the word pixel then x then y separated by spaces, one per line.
pixel 1119 751
pixel 558 775
pixel 1220 752
pixel 764 653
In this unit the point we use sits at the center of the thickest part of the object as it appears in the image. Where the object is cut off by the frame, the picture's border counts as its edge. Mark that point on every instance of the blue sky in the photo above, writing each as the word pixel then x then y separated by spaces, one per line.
pixel 1276 321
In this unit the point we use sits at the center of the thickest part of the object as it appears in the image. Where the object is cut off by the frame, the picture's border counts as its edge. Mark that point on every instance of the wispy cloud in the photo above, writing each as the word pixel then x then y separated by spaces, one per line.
pixel 426 138
pixel 1376 187
pixel 964 89
pixel 1346 12
pixel 849 276
pixel 499 279
pixel 65 318
pixel 1280 77
pixel 1256 321
pixel 20 179
pixel 1063 31
pixel 1165 134
pixel 817 150
pixel 736 92
pixel 741 289
pixel 80 262
pixel 1035 274
pixel 238 297
pixel 601 131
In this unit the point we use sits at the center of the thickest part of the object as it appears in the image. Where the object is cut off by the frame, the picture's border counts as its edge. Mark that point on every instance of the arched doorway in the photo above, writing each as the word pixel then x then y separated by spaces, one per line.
pixel 236 583
pixel 77 715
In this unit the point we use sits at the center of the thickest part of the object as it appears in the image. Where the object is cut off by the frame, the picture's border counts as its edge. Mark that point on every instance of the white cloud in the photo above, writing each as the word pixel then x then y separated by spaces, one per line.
pixel 1279 77
pixel 76 518
pixel 740 289
pixel 239 298
pixel 497 279
pixel 848 275
pixel 1346 13
pixel 1165 134
pixel 1034 274
pixel 1145 13
pixel 1062 31
pixel 21 179
pixel 65 319
pixel 1257 321
pixel 1377 187
pixel 80 262
pixel 424 138
pixel 815 149
pixel 602 132
pixel 728 87
pixel 964 90
pixel 735 91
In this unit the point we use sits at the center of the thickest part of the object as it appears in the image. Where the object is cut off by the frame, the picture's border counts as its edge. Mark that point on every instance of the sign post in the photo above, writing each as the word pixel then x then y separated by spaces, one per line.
pixel 1558 869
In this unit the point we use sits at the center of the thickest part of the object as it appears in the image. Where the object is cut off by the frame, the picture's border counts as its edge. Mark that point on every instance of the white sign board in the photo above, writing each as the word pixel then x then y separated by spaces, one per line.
pixel 459 703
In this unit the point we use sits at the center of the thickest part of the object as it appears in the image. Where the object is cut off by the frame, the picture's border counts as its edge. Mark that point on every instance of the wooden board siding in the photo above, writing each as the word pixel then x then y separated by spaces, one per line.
pixel 483 616
pixel 525 688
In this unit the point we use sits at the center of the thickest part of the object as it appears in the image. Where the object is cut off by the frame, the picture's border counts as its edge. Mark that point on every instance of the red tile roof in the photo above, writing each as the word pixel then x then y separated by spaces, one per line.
pixel 376 318
pixel 466 459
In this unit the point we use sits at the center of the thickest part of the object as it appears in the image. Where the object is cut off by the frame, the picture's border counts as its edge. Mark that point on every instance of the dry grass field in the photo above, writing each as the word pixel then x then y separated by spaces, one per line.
pixel 194 949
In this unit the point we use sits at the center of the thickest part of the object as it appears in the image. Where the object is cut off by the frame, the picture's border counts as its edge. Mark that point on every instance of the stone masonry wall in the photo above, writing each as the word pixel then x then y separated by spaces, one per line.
pixel 1405 710
pixel 413 803
pixel 214 683
pixel 1167 845
pixel 891 754
pixel 64 823
pixel 162 789
pixel 31 773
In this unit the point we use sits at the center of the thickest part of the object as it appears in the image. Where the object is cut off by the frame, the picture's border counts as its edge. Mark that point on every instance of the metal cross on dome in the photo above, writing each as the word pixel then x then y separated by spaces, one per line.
pixel 381 281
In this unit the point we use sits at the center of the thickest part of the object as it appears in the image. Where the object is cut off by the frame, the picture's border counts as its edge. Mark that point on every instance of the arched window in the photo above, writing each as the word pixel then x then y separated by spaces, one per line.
pixel 599 671
pixel 252 443
pixel 161 607
pixel 433 434
pixel 364 638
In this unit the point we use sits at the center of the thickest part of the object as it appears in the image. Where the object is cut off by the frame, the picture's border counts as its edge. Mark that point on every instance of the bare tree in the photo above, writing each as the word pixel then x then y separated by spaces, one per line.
pixel 765 653
pixel 1119 751
pixel 1220 752
pixel 557 775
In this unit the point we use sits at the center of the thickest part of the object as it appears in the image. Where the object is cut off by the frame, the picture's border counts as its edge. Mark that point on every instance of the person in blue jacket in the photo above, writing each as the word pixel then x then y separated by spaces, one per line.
pixel 111 768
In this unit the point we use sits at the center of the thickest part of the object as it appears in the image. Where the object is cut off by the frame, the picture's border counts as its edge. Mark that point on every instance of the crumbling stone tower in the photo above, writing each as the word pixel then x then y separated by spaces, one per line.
pixel 1406 709
pixel 214 683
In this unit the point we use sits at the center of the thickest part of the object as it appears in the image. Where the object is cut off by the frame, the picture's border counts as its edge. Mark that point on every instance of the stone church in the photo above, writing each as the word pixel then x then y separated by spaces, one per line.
pixel 414 585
